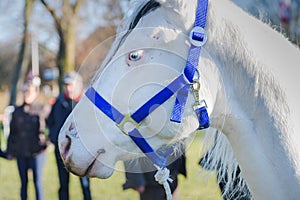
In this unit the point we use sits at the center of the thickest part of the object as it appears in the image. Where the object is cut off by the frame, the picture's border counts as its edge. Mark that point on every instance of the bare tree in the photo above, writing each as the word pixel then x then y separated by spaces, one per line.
pixel 23 56
pixel 114 12
pixel 65 24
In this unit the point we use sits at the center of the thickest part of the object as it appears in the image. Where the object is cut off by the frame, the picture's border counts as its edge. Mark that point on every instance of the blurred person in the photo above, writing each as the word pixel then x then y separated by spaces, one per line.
pixel 26 141
pixel 73 88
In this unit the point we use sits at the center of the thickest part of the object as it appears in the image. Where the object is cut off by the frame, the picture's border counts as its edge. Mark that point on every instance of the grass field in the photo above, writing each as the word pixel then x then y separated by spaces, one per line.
pixel 197 186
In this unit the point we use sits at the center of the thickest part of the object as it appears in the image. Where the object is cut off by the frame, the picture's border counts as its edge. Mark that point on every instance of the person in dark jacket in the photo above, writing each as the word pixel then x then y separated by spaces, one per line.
pixel 140 177
pixel 60 111
pixel 26 141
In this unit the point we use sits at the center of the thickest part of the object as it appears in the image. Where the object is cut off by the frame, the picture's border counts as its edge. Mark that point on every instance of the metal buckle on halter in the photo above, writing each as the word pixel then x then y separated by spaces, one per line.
pixel 128 124
pixel 198 36
pixel 200 107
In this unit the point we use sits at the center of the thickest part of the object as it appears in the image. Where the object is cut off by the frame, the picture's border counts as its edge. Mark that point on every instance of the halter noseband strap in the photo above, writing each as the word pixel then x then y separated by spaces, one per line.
pixel 180 85
pixel 120 119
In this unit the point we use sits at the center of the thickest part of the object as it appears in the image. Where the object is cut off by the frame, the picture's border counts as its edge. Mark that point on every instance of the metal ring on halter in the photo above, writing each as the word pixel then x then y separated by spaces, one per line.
pixel 196 85
pixel 198 36
pixel 196 75
pixel 128 124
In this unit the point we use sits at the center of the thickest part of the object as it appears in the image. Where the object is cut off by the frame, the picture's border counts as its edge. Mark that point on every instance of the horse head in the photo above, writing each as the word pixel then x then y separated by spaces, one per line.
pixel 146 56
pixel 242 81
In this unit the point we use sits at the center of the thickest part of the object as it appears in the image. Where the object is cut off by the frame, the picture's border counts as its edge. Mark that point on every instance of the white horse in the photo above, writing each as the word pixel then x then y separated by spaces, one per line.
pixel 249 76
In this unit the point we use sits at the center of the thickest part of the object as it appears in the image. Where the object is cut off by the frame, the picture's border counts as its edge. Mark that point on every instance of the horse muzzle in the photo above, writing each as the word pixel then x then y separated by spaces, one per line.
pixel 77 159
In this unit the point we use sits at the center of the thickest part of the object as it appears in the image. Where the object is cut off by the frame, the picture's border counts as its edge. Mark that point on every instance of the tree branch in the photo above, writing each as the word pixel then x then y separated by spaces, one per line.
pixel 76 6
pixel 52 12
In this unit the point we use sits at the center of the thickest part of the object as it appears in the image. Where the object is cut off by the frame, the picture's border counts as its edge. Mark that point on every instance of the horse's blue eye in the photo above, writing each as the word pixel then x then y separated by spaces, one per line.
pixel 135 55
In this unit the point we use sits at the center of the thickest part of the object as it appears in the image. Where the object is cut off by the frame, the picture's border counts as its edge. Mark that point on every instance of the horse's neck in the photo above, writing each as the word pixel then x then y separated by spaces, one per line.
pixel 261 66
pixel 260 93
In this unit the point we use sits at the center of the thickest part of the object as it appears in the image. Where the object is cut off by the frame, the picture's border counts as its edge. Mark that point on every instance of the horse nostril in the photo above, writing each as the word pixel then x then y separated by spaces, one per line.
pixel 72 132
pixel 72 126
pixel 66 148
pixel 100 151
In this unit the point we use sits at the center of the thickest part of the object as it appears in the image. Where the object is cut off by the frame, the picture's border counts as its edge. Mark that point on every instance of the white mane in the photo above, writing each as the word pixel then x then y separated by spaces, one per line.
pixel 219 157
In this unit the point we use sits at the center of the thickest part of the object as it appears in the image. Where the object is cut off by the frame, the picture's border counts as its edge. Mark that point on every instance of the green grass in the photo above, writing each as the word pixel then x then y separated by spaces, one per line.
pixel 197 186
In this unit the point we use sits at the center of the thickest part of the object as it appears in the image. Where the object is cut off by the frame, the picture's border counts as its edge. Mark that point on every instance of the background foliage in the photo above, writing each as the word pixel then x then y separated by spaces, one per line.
pixel 95 21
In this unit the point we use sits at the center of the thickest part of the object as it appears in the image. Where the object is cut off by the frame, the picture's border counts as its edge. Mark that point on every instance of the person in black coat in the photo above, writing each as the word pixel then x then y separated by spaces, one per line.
pixel 60 111
pixel 140 177
pixel 26 140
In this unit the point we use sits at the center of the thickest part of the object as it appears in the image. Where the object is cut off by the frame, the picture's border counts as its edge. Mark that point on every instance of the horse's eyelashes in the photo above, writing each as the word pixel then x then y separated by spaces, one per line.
pixel 135 55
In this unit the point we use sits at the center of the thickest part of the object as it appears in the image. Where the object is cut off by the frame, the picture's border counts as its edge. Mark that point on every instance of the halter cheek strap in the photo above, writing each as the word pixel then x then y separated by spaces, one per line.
pixel 197 39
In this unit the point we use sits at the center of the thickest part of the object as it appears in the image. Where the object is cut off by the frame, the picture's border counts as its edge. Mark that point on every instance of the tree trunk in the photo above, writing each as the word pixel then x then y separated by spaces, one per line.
pixel 66 28
pixel 23 57
pixel 66 54
pixel 68 43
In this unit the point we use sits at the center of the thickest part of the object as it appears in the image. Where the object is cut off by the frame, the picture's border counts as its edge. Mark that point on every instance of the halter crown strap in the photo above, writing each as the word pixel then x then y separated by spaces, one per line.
pixel 197 38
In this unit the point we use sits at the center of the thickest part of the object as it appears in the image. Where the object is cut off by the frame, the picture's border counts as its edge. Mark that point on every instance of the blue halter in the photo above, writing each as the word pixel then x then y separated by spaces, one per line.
pixel 181 85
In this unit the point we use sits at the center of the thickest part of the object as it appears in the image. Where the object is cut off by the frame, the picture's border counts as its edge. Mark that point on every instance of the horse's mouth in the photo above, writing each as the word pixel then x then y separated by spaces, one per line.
pixel 85 162
pixel 88 171
pixel 90 167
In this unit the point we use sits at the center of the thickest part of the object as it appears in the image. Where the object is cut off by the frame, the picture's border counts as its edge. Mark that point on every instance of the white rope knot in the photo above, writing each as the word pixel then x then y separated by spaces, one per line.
pixel 162 176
